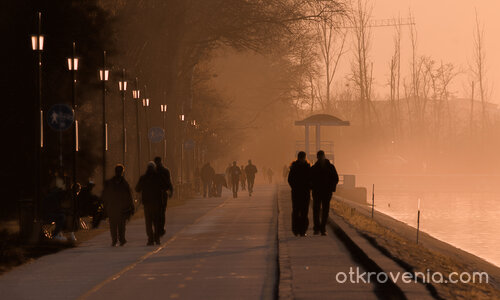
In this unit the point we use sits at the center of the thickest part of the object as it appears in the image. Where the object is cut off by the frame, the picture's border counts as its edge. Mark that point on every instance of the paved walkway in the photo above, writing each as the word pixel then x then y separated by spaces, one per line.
pixel 214 249
pixel 309 265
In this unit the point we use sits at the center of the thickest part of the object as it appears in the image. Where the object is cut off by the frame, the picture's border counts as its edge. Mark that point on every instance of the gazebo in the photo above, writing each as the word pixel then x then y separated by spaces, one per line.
pixel 318 121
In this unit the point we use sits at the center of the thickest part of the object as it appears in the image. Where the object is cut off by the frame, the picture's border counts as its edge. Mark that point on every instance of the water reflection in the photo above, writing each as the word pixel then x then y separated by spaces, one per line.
pixel 461 210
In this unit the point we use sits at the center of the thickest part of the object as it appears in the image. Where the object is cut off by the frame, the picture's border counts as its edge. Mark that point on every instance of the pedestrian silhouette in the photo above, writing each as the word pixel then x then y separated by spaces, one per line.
pixel 152 185
pixel 166 193
pixel 235 174
pixel 243 178
pixel 299 179
pixel 207 177
pixel 324 180
pixel 250 171
pixel 270 174
pixel 118 205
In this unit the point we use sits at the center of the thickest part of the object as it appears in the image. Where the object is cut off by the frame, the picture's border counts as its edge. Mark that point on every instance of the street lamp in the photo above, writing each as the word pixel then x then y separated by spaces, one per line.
pixel 163 108
pixel 145 104
pixel 37 41
pixel 136 94
pixel 73 67
pixel 104 77
pixel 182 118
pixel 122 85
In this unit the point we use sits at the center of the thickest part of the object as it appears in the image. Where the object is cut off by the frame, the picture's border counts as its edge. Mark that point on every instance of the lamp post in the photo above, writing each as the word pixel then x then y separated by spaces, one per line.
pixel 122 85
pixel 104 77
pixel 73 67
pixel 136 94
pixel 163 108
pixel 145 104
pixel 182 118
pixel 37 41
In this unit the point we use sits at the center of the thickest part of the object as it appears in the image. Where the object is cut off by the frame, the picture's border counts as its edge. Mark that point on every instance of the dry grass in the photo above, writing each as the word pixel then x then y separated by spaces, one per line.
pixel 417 257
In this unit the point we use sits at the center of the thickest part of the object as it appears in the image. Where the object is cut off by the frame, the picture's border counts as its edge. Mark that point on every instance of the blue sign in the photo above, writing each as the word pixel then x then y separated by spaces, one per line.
pixel 60 117
pixel 189 144
pixel 156 134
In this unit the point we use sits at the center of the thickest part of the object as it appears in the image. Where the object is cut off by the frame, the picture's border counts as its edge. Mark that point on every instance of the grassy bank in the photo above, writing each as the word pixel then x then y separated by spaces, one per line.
pixel 417 257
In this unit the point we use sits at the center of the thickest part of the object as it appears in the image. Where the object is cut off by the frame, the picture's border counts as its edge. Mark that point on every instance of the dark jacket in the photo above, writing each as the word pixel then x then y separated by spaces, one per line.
pixel 250 170
pixel 117 198
pixel 324 178
pixel 207 173
pixel 152 185
pixel 165 174
pixel 299 177
pixel 235 173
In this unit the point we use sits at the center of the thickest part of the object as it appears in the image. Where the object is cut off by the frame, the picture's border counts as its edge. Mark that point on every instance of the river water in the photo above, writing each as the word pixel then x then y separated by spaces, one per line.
pixel 462 210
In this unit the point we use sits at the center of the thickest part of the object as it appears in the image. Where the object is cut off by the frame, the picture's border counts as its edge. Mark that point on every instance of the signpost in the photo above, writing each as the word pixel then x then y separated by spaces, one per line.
pixel 156 134
pixel 60 117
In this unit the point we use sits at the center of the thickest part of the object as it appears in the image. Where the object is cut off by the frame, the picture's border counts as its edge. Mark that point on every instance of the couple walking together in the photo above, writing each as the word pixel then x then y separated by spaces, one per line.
pixel 322 180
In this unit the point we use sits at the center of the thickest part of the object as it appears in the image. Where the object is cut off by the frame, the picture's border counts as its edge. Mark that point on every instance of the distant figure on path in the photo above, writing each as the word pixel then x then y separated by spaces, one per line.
pixel 324 179
pixel 207 177
pixel 152 185
pixel 235 174
pixel 270 174
pixel 250 171
pixel 166 193
pixel 243 178
pixel 228 174
pixel 299 179
pixel 286 171
pixel 219 182
pixel 118 205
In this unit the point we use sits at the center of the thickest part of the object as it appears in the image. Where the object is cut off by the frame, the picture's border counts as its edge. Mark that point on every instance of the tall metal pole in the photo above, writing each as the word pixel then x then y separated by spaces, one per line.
pixel 39 126
pixel 75 127
pixel 139 146
pixel 147 122
pixel 164 127
pixel 123 90
pixel 104 122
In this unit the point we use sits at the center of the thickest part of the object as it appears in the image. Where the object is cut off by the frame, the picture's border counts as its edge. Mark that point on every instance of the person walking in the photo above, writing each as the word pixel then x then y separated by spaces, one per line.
pixel 166 193
pixel 324 180
pixel 270 174
pixel 243 178
pixel 151 185
pixel 207 177
pixel 118 205
pixel 299 179
pixel 219 182
pixel 235 174
pixel 250 171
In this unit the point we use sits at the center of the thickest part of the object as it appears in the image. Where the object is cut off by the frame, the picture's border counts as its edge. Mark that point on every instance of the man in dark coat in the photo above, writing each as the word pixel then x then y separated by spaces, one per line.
pixel 234 174
pixel 168 192
pixel 152 185
pixel 300 182
pixel 118 205
pixel 207 177
pixel 324 180
pixel 250 171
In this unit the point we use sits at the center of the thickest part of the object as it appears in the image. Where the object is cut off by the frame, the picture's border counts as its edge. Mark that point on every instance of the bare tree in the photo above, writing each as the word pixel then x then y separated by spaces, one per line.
pixel 479 67
pixel 361 73
pixel 332 44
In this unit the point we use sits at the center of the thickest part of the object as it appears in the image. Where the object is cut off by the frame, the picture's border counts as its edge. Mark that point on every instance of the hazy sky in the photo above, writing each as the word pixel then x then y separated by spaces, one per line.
pixel 445 32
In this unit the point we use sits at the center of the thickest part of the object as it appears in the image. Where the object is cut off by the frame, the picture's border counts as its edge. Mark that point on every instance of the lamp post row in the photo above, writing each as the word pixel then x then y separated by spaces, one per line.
pixel 37 42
